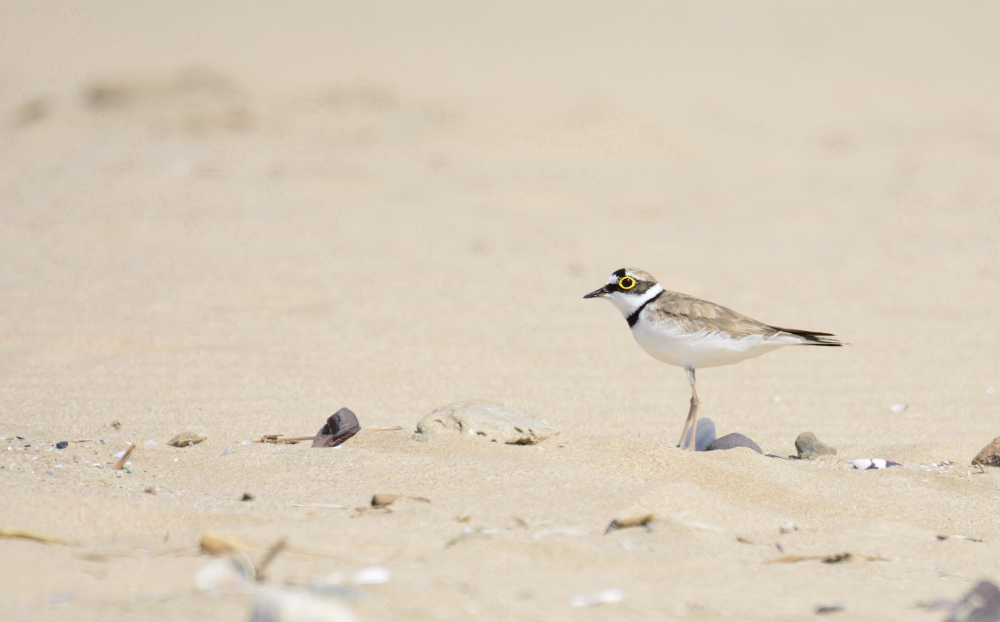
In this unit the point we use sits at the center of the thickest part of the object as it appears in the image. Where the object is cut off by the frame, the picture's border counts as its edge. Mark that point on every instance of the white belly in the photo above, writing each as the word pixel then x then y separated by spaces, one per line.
pixel 703 349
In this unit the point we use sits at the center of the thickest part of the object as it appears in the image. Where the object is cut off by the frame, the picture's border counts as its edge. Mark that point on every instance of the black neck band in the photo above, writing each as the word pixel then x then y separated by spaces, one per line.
pixel 632 319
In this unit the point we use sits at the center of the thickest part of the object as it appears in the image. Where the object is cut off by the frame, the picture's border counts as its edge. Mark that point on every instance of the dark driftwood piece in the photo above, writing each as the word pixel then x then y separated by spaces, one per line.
pixel 341 426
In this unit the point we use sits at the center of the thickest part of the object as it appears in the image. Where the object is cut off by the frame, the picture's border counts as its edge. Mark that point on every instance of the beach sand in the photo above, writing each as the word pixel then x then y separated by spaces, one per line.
pixel 240 217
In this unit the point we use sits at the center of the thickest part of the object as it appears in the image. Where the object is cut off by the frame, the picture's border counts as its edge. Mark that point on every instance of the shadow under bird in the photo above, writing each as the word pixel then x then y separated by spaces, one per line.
pixel 687 332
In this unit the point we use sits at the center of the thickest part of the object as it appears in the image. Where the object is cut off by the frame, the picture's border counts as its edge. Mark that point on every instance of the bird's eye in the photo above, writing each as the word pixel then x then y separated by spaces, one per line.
pixel 626 282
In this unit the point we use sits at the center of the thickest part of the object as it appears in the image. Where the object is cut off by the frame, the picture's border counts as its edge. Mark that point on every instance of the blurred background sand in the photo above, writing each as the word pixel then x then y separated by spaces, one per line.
pixel 239 217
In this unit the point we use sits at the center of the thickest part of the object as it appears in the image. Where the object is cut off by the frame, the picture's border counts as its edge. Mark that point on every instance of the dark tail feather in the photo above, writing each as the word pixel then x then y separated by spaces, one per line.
pixel 812 338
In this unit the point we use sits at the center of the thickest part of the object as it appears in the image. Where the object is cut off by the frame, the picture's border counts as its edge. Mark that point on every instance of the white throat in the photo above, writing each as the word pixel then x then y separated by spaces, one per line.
pixel 628 303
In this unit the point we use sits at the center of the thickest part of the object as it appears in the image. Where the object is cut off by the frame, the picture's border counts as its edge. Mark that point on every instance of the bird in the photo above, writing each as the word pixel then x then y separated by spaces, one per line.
pixel 688 332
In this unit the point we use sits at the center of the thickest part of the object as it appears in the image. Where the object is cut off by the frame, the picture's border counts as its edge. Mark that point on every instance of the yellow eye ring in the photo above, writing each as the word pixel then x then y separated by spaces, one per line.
pixel 626 282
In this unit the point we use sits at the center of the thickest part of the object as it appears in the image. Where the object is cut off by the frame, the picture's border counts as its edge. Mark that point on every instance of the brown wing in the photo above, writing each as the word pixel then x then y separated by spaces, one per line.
pixel 692 314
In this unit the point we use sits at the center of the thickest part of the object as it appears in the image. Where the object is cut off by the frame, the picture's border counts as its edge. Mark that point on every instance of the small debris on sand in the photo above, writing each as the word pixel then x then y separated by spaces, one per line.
pixel 62 444
pixel 219 544
pixel 604 597
pixel 865 464
pixel 836 558
pixel 124 457
pixel 339 427
pixel 31 535
pixel 639 519
pixel 247 497
pixel 732 441
pixel 224 573
pixel 810 447
pixel 489 421
pixel 273 605
pixel 990 455
pixel 372 575
pixel 958 537
pixel 383 499
pixel 185 439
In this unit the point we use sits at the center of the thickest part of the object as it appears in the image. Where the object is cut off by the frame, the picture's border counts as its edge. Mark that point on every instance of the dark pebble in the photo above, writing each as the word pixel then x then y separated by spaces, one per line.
pixel 341 426
pixel 732 441
pixel 62 444
pixel 247 497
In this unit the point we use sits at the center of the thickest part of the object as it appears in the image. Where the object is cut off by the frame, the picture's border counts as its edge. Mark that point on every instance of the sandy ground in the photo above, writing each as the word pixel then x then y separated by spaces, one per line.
pixel 239 217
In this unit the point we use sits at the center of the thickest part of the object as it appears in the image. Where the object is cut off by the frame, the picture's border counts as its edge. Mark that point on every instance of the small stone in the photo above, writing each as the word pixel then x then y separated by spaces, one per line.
pixel 704 434
pixel 829 608
pixel 498 423
pixel 990 455
pixel 150 490
pixel 898 408
pixel 732 441
pixel 62 444
pixel 247 497
pixel 187 438
pixel 810 447
pixel 339 427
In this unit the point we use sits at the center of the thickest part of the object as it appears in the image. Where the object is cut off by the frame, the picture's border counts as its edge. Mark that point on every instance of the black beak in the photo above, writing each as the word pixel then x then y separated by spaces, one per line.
pixel 597 293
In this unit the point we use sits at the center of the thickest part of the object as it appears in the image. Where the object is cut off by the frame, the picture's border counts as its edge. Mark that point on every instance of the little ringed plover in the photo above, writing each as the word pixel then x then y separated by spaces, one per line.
pixel 687 332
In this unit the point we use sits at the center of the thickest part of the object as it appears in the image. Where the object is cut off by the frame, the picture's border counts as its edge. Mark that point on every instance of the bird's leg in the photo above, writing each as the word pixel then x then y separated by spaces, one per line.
pixel 691 425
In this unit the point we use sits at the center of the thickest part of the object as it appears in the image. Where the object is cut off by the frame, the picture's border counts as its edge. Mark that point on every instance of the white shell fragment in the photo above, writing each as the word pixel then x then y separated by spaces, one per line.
pixel 228 450
pixel 227 572
pixel 118 454
pixel 604 597
pixel 863 464
pixel 898 408
pixel 371 575
pixel 271 605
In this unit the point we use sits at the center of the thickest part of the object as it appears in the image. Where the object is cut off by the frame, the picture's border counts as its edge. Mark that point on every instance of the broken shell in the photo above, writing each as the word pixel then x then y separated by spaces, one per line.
pixel 339 427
